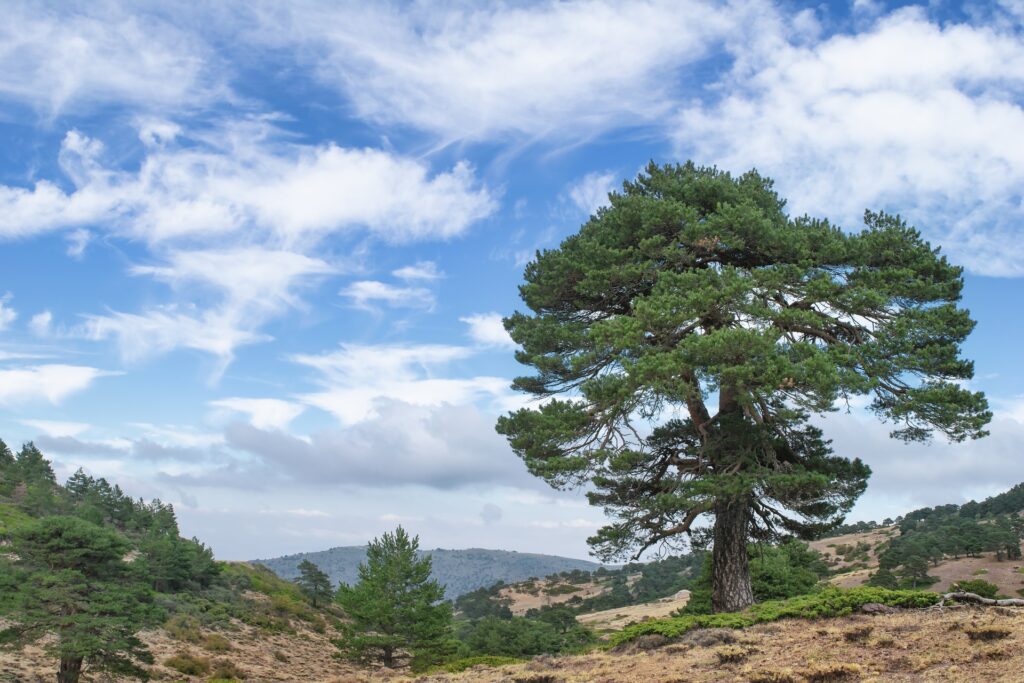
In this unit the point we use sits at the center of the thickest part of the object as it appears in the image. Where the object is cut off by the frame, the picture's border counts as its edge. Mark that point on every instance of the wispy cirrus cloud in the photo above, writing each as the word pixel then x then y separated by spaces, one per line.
pixel 480 72
pixel 75 55
pixel 51 382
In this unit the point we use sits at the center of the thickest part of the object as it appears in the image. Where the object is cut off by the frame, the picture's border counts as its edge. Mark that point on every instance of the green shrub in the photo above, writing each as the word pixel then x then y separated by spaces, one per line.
pixel 830 602
pixel 978 587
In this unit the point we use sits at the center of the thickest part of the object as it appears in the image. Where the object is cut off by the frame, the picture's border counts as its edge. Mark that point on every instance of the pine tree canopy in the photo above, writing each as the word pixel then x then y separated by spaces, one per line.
pixel 685 335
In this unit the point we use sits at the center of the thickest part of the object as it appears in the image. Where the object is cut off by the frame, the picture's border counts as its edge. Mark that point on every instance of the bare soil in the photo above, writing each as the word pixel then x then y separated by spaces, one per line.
pixel 620 617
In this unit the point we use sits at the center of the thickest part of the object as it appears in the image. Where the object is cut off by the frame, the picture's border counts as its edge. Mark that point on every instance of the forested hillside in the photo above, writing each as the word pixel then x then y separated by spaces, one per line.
pixel 111 577
pixel 460 571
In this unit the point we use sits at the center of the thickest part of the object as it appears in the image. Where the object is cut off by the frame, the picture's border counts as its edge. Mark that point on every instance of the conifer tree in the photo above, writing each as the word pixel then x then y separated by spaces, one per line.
pixel 315 584
pixel 67 577
pixel 395 608
pixel 685 335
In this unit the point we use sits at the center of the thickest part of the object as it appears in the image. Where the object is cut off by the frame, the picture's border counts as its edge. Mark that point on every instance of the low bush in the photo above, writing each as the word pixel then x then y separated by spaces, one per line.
pixel 830 602
pixel 188 664
pixel 185 628
pixel 978 587
pixel 224 669
pixel 215 642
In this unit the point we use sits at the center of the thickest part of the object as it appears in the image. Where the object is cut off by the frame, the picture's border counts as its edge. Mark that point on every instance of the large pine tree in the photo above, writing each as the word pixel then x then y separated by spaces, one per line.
pixel 685 335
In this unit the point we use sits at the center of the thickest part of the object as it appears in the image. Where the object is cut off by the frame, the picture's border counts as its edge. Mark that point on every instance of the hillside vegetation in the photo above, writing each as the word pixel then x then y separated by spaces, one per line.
pixel 202 620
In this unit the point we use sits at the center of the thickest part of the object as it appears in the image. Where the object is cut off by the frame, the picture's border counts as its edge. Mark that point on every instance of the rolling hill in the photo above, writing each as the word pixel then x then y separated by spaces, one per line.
pixel 460 571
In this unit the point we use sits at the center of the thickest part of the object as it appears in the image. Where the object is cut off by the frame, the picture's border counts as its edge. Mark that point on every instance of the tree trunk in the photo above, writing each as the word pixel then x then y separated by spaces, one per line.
pixel 70 670
pixel 730 581
pixel 389 657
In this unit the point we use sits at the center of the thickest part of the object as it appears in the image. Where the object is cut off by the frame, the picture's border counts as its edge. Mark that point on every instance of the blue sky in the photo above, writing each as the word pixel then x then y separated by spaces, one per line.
pixel 253 256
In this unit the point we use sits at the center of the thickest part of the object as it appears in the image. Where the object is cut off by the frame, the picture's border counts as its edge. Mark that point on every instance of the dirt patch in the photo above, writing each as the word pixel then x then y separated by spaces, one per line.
pixel 620 617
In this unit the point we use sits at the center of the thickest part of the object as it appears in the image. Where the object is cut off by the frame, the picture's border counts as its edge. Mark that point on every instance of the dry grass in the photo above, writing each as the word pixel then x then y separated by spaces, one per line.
pixel 306 656
pixel 918 645
pixel 617 619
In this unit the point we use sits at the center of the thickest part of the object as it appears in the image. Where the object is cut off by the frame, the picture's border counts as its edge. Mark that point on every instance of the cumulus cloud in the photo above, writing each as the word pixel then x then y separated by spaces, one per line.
pixel 487 329
pixel 51 382
pixel 483 71
pixel 356 376
pixel 366 294
pixel 268 200
pixel 242 177
pixel 911 116
pixel 264 413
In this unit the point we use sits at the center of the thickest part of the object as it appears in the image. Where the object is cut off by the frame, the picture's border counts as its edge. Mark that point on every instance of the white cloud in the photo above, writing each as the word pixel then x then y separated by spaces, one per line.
pixel 354 377
pixel 591 192
pixel 365 293
pixel 54 59
pixel 241 178
pixel 51 382
pixel 7 314
pixel 57 429
pixel 421 270
pixel 264 413
pixel 487 329
pixel 160 330
pixel 78 240
pixel 249 286
pixel 911 116
pixel 483 70
pixel 41 323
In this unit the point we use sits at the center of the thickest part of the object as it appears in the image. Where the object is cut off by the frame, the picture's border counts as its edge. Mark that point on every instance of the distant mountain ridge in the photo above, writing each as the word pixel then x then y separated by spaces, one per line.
pixel 460 571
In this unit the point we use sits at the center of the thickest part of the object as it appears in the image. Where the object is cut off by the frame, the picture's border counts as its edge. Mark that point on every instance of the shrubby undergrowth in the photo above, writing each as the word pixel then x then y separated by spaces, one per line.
pixel 830 602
